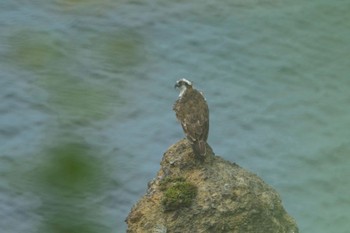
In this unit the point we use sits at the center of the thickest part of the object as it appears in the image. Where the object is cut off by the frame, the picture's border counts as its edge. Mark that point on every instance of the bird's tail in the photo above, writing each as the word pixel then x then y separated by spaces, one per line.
pixel 200 147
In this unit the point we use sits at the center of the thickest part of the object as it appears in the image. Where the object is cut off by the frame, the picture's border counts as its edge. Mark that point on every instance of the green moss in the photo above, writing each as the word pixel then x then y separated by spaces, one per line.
pixel 177 193
pixel 168 181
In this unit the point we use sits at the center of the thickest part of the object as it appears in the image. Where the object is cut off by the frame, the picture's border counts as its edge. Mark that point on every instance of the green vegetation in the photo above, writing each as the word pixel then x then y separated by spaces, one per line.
pixel 77 78
pixel 68 178
pixel 164 184
pixel 35 50
pixel 70 168
pixel 178 193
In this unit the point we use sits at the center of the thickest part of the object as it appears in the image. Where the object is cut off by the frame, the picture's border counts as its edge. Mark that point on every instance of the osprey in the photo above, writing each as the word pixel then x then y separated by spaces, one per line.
pixel 192 111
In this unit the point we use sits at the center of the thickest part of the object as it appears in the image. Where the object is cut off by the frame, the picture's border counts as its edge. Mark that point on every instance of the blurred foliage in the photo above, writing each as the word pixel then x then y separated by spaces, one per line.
pixel 73 98
pixel 39 50
pixel 68 178
pixel 73 4
pixel 70 168
pixel 60 65
pixel 119 51
pixel 64 220
pixel 35 49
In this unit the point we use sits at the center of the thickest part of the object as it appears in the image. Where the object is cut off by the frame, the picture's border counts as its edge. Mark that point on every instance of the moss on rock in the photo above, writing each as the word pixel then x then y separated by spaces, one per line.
pixel 178 193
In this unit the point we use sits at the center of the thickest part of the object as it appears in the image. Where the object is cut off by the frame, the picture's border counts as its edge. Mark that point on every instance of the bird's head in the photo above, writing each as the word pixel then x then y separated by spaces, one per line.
pixel 182 85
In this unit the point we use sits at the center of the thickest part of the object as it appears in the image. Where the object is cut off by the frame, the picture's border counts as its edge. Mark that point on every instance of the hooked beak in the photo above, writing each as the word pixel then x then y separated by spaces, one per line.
pixel 176 85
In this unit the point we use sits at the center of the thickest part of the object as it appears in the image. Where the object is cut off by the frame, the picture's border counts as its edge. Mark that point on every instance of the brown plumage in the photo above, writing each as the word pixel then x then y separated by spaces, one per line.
pixel 192 111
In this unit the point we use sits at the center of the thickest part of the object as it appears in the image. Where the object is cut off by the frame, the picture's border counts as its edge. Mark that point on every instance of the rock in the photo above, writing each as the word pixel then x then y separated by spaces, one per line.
pixel 209 194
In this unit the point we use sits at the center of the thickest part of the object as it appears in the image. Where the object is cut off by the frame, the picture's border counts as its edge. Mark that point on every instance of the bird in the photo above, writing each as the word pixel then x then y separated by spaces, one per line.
pixel 192 112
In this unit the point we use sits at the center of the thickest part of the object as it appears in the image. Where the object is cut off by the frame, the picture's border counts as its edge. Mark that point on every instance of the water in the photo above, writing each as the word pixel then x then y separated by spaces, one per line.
pixel 101 74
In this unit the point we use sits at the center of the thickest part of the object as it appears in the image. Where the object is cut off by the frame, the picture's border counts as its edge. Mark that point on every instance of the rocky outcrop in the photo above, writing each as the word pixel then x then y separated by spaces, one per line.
pixel 192 194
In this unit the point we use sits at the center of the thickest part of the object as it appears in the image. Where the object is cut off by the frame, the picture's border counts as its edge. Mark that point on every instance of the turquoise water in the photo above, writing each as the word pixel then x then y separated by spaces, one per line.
pixel 97 78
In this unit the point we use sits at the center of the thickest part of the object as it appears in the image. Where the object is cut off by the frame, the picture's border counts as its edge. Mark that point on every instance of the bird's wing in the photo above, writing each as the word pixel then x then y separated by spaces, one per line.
pixel 194 116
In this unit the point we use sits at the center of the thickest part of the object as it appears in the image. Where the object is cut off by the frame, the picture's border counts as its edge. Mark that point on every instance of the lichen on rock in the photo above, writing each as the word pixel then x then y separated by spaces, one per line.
pixel 207 194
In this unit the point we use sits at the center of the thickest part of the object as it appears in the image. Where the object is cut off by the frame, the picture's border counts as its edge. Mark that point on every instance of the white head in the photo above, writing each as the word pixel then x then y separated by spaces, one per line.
pixel 182 85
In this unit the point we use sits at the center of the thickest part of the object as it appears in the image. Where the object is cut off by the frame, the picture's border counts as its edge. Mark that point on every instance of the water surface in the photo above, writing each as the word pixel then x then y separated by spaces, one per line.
pixel 98 77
